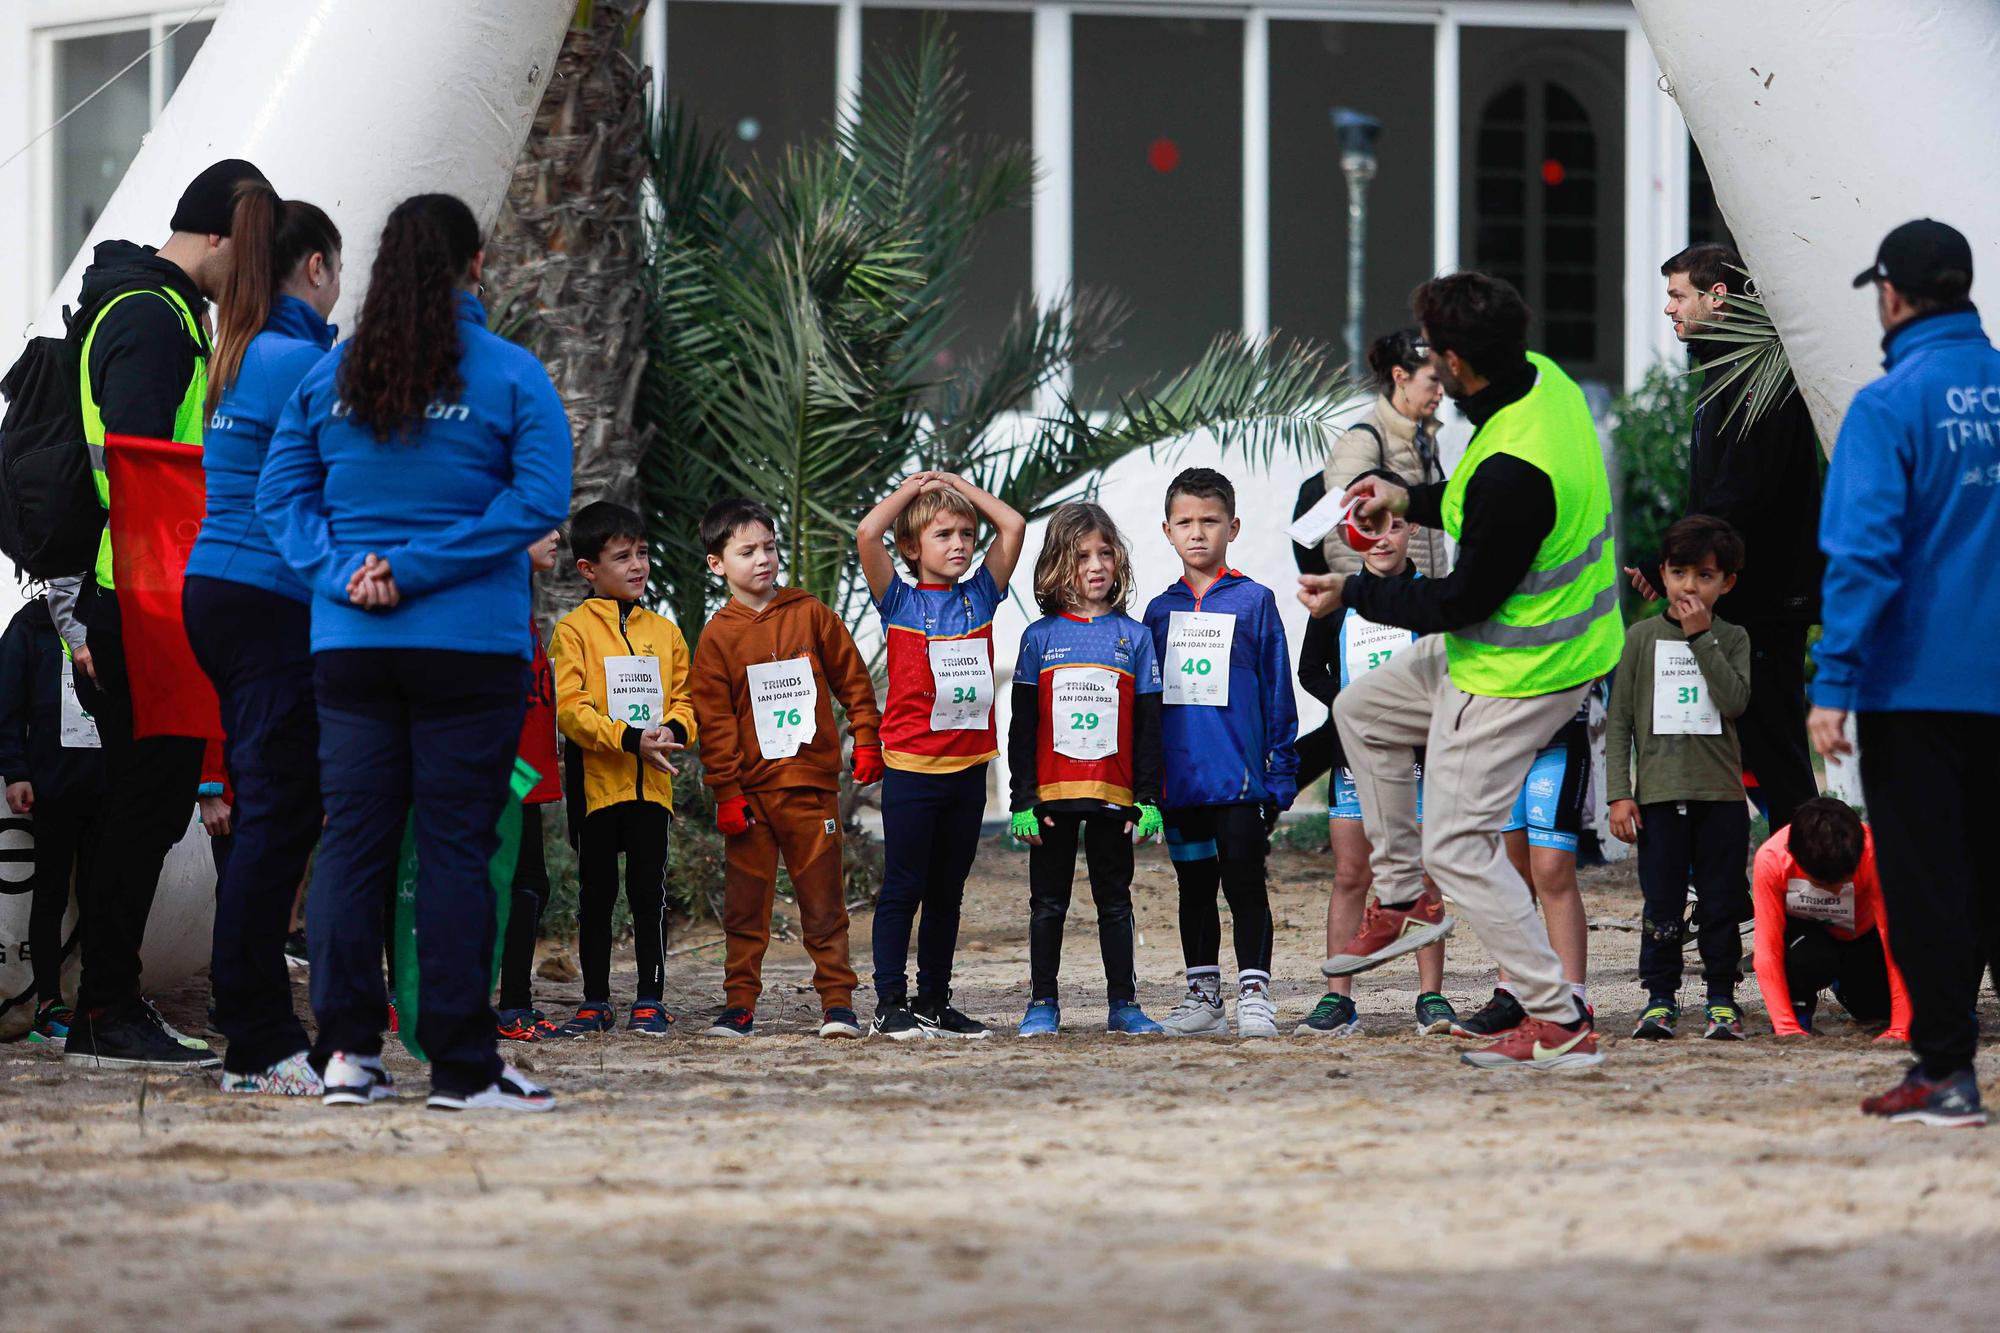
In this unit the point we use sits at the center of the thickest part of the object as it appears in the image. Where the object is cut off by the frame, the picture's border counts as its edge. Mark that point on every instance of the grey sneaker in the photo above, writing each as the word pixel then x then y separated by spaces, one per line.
pixel 1197 1015
pixel 1256 1014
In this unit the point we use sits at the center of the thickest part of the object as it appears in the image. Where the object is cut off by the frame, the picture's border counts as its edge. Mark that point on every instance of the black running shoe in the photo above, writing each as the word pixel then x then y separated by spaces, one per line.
pixel 735 1021
pixel 128 1038
pixel 894 1020
pixel 935 1014
pixel 1660 1020
pixel 1502 1013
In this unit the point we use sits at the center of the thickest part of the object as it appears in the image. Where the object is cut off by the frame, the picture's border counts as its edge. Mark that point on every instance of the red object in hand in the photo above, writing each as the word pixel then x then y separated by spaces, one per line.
pixel 867 764
pixel 1356 536
pixel 732 816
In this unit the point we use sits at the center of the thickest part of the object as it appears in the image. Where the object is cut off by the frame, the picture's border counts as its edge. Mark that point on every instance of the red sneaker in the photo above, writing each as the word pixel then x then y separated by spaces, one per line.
pixel 1390 932
pixel 1539 1044
pixel 1949 1103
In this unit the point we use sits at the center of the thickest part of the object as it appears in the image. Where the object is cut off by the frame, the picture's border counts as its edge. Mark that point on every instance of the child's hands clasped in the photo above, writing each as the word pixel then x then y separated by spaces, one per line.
pixel 656 745
pixel 1625 821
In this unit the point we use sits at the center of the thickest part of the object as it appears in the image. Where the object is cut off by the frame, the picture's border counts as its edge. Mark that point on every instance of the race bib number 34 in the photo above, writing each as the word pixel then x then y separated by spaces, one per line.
pixel 1083 712
pixel 784 698
pixel 962 674
pixel 1197 665
pixel 1681 706
pixel 632 692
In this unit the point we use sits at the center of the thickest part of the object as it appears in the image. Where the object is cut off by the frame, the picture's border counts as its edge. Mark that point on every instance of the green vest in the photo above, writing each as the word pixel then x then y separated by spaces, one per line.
pixel 187 417
pixel 1560 626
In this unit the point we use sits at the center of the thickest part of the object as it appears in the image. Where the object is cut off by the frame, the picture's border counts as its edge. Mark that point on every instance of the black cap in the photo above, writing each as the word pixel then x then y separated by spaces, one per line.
pixel 1916 255
pixel 210 198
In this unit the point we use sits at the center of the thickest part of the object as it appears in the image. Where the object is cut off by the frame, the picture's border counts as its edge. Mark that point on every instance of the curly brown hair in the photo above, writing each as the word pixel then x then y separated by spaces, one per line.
pixel 1056 587
pixel 405 353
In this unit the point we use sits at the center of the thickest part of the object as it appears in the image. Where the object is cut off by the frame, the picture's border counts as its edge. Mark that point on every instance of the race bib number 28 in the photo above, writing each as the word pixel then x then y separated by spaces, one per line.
pixel 632 692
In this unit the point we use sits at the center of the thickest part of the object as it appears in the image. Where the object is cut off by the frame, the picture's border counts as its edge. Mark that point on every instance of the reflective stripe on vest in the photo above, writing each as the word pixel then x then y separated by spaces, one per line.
pixel 1559 627
pixel 187 417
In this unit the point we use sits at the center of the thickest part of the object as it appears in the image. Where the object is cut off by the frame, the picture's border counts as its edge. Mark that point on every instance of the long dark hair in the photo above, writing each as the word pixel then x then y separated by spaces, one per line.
pixel 1402 350
pixel 269 238
pixel 405 353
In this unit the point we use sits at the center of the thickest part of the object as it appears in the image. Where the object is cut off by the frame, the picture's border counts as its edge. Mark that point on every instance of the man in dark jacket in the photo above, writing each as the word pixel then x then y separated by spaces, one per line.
pixel 1763 479
pixel 144 373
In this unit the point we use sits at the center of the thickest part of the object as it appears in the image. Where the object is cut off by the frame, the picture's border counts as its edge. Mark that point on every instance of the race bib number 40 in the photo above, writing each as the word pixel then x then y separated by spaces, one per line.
pixel 962 674
pixel 1834 907
pixel 632 692
pixel 1083 712
pixel 1197 665
pixel 1681 706
pixel 784 699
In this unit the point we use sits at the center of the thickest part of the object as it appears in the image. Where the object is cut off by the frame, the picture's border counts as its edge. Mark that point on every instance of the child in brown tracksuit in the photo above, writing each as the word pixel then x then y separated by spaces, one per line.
pixel 764 675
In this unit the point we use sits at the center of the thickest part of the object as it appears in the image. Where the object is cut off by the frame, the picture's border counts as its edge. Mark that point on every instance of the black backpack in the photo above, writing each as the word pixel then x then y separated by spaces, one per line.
pixel 50 516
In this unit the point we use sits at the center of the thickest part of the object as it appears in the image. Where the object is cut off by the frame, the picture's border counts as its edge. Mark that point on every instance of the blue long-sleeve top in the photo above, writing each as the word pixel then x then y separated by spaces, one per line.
pixel 233 544
pixel 452 505
pixel 1244 754
pixel 1910 607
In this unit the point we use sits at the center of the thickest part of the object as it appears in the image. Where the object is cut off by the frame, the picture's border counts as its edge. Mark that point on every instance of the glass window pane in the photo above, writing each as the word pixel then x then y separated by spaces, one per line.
pixel 995 58
pixel 761 75
pixel 181 48
pixel 1383 70
pixel 94 146
pixel 1157 115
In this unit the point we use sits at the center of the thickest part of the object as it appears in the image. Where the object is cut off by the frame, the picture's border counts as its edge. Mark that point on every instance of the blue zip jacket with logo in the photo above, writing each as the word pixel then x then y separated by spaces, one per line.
pixel 233 544
pixel 1242 754
pixel 1910 525
pixel 452 505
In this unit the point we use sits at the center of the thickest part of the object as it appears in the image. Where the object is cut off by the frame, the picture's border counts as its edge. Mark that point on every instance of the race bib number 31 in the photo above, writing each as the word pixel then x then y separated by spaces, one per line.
pixel 632 692
pixel 1197 665
pixel 784 698
pixel 1681 706
pixel 962 674
pixel 1083 712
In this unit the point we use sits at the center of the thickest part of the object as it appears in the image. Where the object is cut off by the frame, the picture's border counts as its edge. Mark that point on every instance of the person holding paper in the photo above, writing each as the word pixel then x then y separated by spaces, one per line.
pixel 623 702
pixel 766 673
pixel 1682 682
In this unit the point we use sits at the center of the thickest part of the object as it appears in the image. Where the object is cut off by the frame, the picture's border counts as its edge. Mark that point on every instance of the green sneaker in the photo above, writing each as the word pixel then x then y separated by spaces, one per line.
pixel 1657 1023
pixel 1724 1023
pixel 1434 1015
pixel 1333 1016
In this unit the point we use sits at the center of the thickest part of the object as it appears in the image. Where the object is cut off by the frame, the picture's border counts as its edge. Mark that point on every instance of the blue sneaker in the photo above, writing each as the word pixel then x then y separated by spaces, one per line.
pixel 591 1017
pixel 1129 1020
pixel 52 1022
pixel 1043 1019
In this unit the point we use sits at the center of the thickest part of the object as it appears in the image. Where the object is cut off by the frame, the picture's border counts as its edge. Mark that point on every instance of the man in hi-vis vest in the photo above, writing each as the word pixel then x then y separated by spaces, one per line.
pixel 1512 638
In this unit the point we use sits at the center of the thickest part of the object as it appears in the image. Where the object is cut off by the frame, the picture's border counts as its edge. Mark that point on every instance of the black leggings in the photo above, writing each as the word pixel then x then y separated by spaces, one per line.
pixel 524 918
pixel 1222 846
pixel 639 829
pixel 1815 958
pixel 1107 849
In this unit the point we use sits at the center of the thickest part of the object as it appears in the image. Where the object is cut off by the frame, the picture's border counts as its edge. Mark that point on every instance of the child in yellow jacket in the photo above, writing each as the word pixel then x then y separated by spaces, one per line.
pixel 622 700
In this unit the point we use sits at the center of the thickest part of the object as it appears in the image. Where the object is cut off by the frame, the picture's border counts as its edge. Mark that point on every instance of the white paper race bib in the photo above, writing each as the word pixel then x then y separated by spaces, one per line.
pixel 1370 645
pixel 1681 706
pixel 632 692
pixel 962 674
pixel 79 729
pixel 1835 907
pixel 1083 711
pixel 1197 665
pixel 784 699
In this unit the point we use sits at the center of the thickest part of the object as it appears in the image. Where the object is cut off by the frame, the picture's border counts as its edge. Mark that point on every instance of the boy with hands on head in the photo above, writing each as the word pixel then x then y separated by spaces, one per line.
pixel 766 672
pixel 937 729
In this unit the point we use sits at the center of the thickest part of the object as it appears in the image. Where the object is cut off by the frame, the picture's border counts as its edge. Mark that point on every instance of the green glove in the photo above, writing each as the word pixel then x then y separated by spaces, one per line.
pixel 1025 825
pixel 1150 823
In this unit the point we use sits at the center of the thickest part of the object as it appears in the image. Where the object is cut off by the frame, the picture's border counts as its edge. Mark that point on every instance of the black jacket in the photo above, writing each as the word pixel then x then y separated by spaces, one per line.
pixel 142 357
pixel 1319 669
pixel 32 671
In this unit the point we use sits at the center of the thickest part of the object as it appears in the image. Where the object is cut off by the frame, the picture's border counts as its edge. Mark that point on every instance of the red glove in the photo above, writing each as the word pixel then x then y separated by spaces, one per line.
pixel 867 764
pixel 732 816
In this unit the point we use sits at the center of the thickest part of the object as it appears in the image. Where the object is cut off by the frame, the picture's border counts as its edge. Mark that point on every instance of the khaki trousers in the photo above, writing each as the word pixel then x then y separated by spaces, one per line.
pixel 1479 749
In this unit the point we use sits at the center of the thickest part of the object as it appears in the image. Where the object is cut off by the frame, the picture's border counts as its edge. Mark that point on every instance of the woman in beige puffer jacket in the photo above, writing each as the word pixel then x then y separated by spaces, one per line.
pixel 1399 436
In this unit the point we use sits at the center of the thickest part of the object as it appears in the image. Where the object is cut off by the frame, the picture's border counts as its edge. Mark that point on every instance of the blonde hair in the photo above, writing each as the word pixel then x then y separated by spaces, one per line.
pixel 917 516
pixel 1056 587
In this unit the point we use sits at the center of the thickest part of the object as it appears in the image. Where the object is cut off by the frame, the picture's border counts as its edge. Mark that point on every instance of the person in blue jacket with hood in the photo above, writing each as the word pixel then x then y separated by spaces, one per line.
pixel 249 622
pixel 1911 615
pixel 407 478
pixel 1230 767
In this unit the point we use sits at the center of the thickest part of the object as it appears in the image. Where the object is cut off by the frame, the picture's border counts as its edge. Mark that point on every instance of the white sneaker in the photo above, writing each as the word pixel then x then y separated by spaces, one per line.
pixel 355 1080
pixel 1256 1015
pixel 1197 1015
pixel 292 1076
pixel 512 1091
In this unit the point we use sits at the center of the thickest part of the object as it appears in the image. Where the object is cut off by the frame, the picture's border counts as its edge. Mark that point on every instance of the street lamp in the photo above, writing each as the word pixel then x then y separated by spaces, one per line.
pixel 1357 134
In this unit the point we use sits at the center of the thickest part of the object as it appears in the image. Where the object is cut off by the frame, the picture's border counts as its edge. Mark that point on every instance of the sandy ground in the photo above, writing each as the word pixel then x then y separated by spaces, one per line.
pixel 1086 1181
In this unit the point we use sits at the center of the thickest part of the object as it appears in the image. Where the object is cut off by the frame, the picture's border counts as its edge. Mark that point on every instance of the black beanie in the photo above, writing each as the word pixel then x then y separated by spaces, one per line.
pixel 210 198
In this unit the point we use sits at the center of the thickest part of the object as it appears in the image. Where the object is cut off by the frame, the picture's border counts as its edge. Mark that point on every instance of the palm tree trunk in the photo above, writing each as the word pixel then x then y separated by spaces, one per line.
pixel 565 263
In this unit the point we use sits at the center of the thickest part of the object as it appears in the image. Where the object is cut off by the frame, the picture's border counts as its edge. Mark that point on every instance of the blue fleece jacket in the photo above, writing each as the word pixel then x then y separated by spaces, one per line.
pixel 233 544
pixel 1911 530
pixel 1242 754
pixel 451 506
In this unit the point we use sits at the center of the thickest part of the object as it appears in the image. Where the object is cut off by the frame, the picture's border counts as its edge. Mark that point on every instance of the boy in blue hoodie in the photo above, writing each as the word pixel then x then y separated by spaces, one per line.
pixel 1228 721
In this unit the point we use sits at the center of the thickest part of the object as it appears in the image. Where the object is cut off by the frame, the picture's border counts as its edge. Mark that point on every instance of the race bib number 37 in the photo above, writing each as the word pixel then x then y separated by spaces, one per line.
pixel 1083 712
pixel 1681 706
pixel 784 699
pixel 1370 645
pixel 632 692
pixel 962 674
pixel 1197 665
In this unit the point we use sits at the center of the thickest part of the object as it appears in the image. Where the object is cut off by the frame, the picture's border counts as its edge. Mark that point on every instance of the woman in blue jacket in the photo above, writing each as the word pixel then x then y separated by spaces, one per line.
pixel 407 478
pixel 248 622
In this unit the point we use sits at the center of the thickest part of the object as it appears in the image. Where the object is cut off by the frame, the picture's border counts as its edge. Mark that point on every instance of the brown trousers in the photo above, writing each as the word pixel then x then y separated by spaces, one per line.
pixel 802 824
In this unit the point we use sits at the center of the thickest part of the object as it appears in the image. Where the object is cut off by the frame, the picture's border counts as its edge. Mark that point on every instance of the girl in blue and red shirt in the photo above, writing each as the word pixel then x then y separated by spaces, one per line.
pixel 1084 753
